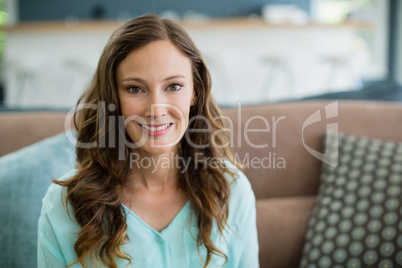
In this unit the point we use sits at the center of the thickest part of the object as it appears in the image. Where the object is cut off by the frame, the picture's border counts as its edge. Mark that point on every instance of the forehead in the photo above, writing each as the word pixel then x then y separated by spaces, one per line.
pixel 159 58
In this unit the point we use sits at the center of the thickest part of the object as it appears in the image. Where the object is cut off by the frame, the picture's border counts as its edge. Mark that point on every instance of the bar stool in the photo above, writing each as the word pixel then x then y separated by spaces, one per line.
pixel 341 75
pixel 277 67
pixel 220 79
pixel 18 77
pixel 81 73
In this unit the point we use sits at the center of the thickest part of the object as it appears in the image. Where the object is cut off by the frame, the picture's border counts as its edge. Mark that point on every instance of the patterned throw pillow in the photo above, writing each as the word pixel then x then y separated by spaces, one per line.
pixel 357 219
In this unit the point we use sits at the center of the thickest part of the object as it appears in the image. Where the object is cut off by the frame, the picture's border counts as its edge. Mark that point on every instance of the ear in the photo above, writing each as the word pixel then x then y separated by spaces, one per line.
pixel 193 99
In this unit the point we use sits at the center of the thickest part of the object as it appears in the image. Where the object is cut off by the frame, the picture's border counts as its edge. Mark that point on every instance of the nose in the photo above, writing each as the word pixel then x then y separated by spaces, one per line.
pixel 157 106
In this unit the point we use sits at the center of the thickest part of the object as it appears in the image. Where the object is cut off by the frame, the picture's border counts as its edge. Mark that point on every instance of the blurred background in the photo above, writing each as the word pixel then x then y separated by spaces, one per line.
pixel 258 51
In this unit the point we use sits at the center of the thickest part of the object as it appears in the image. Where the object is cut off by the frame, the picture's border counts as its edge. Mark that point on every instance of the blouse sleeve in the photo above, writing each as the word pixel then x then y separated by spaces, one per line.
pixel 49 252
pixel 249 257
pixel 242 215
pixel 56 230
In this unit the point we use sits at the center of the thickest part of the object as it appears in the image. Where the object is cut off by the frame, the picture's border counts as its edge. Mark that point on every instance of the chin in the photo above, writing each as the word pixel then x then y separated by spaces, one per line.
pixel 160 149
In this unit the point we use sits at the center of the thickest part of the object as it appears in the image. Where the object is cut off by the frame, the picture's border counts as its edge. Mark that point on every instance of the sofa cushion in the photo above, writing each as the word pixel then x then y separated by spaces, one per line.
pixel 25 176
pixel 282 223
pixel 357 219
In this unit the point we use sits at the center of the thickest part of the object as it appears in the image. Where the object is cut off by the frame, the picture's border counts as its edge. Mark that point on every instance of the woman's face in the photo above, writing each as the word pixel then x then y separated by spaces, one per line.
pixel 155 86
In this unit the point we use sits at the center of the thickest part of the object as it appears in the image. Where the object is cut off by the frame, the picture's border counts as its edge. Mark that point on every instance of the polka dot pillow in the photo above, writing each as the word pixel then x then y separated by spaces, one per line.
pixel 357 218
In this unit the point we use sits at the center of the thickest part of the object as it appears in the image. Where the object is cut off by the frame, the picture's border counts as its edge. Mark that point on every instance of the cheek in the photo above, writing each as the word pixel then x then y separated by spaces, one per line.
pixel 128 109
pixel 184 103
pixel 180 111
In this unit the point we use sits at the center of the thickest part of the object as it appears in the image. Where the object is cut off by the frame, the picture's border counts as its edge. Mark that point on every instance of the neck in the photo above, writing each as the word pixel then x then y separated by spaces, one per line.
pixel 156 172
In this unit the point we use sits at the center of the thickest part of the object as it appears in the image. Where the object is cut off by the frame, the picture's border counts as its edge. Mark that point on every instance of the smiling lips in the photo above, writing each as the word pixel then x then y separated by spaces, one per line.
pixel 156 129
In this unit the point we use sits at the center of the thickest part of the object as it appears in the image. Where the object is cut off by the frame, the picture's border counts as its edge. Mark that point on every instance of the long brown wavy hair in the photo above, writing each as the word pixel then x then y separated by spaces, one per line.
pixel 94 192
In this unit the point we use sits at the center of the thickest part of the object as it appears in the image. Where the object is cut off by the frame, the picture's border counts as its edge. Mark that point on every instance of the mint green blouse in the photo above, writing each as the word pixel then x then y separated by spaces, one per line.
pixel 173 247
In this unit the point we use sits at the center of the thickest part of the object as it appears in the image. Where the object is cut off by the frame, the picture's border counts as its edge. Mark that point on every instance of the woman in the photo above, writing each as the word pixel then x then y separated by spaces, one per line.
pixel 156 184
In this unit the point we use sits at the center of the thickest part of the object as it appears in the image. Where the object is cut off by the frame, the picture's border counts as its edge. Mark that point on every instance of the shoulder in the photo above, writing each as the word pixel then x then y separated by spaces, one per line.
pixel 57 229
pixel 55 196
pixel 241 193
pixel 242 210
pixel 240 186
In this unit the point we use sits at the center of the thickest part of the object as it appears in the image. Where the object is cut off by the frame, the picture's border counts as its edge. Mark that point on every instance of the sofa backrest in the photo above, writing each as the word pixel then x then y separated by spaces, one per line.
pixel 280 135
pixel 20 129
pixel 288 124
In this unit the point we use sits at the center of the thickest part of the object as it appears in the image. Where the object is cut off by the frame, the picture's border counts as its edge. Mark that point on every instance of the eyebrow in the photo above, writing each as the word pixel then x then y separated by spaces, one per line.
pixel 143 81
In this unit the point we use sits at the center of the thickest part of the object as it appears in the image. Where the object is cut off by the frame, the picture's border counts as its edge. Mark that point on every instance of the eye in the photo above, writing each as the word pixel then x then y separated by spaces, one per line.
pixel 134 90
pixel 174 87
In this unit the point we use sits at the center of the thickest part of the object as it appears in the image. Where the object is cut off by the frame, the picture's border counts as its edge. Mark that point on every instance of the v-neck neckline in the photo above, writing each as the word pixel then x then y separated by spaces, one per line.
pixel 172 223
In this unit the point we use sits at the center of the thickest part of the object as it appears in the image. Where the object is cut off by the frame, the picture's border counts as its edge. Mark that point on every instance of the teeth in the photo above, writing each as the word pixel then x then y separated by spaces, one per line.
pixel 155 128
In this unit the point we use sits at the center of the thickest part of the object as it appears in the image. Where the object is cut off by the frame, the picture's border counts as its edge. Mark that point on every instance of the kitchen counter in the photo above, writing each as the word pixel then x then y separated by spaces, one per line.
pixel 110 25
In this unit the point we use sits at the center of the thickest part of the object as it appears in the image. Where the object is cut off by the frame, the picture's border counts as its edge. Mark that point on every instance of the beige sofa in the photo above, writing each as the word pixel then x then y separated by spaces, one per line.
pixel 284 175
